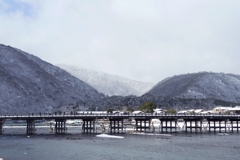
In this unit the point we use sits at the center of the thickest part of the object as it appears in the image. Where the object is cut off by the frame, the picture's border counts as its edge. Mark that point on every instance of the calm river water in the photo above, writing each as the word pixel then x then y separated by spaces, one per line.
pixel 76 146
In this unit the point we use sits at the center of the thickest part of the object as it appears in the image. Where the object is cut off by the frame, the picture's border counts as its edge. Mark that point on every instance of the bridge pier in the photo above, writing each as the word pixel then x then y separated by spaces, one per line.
pixel 232 124
pixel 140 121
pixel 116 124
pixel 166 120
pixel 60 126
pixel 31 126
pixel 1 126
pixel 196 127
pixel 219 124
pixel 88 125
pixel 201 125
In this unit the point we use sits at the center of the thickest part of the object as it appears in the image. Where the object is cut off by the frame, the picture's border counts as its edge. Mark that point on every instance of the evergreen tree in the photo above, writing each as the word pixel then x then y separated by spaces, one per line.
pixel 148 107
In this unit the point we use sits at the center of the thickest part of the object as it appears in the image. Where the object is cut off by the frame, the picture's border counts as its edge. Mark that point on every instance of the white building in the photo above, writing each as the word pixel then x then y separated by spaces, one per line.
pixel 159 110
pixel 235 110
pixel 220 109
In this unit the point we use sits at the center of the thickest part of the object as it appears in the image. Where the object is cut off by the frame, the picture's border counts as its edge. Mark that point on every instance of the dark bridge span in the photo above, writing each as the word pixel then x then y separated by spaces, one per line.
pixel 168 122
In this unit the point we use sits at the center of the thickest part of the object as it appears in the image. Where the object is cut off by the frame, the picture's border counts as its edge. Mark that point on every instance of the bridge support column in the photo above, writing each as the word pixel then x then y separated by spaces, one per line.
pixel 116 124
pixel 139 125
pixel 191 126
pixel 237 126
pixel 209 126
pixel 214 126
pixel 176 124
pixel 1 126
pixel 60 126
pixel 219 127
pixel 161 126
pixel 88 125
pixel 196 126
pixel 225 125
pixel 166 127
pixel 201 126
pixel 31 126
pixel 185 124
pixel 234 125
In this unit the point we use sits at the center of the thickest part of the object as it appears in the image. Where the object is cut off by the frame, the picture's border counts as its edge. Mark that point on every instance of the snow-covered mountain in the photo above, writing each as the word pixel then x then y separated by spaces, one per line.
pixel 108 84
pixel 197 90
pixel 200 85
pixel 28 84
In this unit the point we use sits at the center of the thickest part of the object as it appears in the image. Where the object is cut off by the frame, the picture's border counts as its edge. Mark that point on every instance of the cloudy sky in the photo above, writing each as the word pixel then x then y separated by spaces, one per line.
pixel 144 40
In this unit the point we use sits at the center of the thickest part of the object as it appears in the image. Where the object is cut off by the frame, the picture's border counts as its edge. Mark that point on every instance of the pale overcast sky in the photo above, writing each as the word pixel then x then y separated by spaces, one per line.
pixel 144 40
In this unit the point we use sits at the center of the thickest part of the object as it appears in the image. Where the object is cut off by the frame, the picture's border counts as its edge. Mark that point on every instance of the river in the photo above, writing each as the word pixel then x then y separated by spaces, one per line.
pixel 76 146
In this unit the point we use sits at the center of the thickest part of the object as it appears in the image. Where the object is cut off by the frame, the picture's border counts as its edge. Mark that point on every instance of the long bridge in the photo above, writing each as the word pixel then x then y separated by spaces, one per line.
pixel 143 122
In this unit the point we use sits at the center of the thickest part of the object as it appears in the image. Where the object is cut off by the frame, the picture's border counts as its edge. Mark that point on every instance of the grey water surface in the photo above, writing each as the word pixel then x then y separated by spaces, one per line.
pixel 76 146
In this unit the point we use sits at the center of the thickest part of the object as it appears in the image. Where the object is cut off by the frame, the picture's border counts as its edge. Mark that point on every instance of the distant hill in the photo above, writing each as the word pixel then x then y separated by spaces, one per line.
pixel 197 90
pixel 108 84
pixel 28 84
pixel 203 85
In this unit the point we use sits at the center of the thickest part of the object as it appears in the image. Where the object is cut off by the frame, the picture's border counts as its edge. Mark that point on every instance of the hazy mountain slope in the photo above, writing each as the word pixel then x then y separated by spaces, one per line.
pixel 108 84
pixel 200 85
pixel 28 84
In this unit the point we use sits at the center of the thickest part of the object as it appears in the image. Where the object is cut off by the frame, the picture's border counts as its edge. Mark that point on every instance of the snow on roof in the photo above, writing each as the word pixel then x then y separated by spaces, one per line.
pixel 159 109
pixel 209 111
pixel 136 112
pixel 186 111
pixel 221 107
pixel 198 110
pixel 234 109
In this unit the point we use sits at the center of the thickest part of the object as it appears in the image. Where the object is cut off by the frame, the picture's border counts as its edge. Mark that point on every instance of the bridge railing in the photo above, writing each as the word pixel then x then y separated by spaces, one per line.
pixel 88 114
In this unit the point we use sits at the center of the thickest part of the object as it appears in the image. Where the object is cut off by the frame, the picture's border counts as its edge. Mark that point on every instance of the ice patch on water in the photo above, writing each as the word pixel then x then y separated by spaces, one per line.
pixel 108 136
pixel 222 134
pixel 150 134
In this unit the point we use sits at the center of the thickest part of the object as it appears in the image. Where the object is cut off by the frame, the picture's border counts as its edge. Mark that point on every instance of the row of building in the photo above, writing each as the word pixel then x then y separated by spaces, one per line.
pixel 216 110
